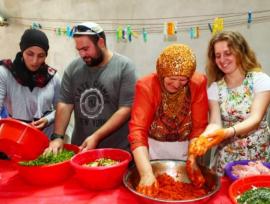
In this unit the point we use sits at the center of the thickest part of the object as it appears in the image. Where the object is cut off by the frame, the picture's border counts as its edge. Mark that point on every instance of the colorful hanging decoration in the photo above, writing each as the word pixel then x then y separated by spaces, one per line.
pixel 36 26
pixel 129 33
pixel 3 21
pixel 170 28
pixel 250 18
pixel 194 32
pixel 210 27
pixel 58 31
pixel 135 34
pixel 119 33
pixel 69 31
pixel 145 35
pixel 63 31
pixel 170 31
pixel 124 34
pixel 218 25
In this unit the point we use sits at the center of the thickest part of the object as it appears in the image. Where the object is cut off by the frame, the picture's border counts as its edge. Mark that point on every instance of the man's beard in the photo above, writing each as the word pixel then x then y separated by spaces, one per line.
pixel 97 60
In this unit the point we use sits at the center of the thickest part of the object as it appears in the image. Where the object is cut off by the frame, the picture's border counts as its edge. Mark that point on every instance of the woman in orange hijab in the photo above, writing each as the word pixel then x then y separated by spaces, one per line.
pixel 170 108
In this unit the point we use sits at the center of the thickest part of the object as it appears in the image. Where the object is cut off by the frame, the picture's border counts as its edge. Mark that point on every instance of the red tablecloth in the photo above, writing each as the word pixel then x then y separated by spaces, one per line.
pixel 14 190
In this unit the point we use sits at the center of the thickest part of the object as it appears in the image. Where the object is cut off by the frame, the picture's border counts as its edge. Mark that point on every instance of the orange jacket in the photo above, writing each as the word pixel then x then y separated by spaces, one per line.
pixel 147 100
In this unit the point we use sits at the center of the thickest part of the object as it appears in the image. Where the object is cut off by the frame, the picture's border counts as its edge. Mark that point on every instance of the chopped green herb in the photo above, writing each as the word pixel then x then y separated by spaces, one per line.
pixel 49 159
pixel 255 196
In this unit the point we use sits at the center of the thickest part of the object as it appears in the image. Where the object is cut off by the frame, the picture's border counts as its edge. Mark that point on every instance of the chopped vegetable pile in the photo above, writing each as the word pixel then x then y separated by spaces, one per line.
pixel 102 162
pixel 49 159
pixel 170 189
pixel 255 196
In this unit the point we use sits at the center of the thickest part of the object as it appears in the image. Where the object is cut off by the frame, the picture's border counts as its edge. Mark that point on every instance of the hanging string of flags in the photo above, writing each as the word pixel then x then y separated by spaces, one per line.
pixel 136 28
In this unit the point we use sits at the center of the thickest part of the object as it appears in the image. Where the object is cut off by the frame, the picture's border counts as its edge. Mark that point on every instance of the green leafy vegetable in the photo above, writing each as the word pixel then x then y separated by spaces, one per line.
pixel 255 196
pixel 49 159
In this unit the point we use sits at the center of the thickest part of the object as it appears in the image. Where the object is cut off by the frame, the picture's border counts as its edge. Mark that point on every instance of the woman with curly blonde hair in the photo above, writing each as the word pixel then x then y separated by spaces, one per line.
pixel 238 95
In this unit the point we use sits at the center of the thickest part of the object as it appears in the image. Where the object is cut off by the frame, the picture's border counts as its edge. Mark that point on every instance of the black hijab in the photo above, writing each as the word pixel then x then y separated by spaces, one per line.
pixel 25 77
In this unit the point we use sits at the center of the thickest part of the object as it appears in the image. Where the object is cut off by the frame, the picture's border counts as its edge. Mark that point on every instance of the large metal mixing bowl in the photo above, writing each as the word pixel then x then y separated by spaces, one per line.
pixel 176 169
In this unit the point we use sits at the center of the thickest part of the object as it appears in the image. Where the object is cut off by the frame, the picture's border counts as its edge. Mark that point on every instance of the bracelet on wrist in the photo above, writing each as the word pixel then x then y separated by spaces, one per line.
pixel 56 136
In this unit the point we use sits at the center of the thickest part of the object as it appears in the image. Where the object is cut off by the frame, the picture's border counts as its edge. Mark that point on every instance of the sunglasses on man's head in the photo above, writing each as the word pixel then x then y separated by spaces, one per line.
pixel 83 29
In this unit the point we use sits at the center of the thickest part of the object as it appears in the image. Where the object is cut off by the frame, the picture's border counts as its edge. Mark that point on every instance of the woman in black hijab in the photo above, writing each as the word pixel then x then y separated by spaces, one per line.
pixel 28 86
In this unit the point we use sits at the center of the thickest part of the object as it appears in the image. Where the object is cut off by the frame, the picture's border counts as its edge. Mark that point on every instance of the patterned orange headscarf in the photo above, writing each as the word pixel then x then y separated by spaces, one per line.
pixel 172 121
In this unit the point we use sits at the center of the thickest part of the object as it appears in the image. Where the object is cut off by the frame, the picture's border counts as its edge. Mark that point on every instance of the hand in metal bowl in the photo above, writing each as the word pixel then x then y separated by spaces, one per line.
pixel 177 170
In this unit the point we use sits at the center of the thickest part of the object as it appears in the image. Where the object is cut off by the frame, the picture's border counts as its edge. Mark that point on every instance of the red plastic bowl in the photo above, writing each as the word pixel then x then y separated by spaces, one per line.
pixel 242 185
pixel 103 177
pixel 51 174
pixel 21 141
